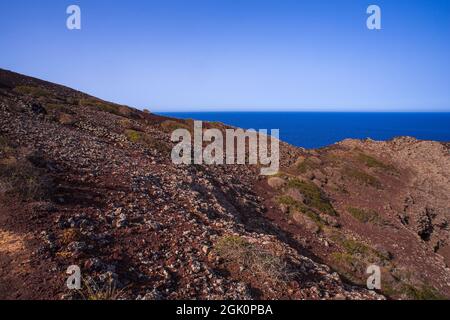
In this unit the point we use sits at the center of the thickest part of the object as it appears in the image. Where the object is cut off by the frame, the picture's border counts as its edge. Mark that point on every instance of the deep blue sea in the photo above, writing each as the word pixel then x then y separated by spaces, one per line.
pixel 320 129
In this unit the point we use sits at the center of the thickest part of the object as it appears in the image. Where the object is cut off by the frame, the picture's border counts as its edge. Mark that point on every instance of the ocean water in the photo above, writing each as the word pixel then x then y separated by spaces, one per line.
pixel 320 129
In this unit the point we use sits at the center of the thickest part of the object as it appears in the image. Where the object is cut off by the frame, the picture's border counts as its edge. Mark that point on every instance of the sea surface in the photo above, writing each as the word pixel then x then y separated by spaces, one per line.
pixel 320 129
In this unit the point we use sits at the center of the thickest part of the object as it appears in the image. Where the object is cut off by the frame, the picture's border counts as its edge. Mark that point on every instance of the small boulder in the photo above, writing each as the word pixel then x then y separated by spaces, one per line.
pixel 306 222
pixel 66 119
pixel 299 161
pixel 329 220
pixel 295 195
pixel 93 264
pixel 315 160
pixel 77 247
pixel 196 267
pixel 284 208
pixel 122 221
pixel 276 182
pixel 318 175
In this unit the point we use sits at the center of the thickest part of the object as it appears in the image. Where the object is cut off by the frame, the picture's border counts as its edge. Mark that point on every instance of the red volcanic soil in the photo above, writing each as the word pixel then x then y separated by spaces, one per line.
pixel 91 183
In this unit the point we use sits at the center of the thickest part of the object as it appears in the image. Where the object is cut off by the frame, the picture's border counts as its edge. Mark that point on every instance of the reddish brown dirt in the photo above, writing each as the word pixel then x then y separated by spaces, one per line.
pixel 109 200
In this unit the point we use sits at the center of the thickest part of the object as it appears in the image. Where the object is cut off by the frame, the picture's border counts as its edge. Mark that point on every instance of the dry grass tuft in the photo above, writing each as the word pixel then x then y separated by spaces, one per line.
pixel 253 259
pixel 93 292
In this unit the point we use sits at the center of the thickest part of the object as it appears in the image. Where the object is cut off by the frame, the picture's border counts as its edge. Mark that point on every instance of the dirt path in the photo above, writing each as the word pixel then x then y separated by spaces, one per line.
pixel 14 254
pixel 14 264
pixel 18 270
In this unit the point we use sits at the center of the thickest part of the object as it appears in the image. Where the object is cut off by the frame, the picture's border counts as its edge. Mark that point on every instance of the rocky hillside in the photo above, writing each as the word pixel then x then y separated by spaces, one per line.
pixel 90 183
pixel 359 203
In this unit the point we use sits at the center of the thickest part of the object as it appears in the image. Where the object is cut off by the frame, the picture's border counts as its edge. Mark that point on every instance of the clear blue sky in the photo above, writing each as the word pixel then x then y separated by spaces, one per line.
pixel 191 55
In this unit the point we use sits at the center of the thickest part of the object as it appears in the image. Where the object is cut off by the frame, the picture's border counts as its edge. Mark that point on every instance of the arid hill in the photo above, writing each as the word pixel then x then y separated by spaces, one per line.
pixel 90 183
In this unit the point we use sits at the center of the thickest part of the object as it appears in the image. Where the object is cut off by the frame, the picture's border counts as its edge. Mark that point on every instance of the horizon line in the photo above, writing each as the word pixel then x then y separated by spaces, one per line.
pixel 301 111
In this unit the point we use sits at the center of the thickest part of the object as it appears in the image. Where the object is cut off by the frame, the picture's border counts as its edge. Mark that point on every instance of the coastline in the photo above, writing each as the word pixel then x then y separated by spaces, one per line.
pixel 313 130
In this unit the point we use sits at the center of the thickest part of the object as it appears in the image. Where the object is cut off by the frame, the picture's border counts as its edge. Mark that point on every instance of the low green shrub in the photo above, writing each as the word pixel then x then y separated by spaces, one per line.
pixel 372 162
pixel 366 216
pixel 362 177
pixel 21 178
pixel 171 125
pixel 32 91
pixel 314 197
pixel 307 165
pixel 101 105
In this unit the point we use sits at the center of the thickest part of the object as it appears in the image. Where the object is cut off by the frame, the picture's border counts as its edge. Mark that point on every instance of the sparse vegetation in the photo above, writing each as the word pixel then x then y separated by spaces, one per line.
pixel 424 292
pixel 22 178
pixel 401 285
pixel 171 125
pixel 332 159
pixel 101 105
pixel 54 106
pixel 362 177
pixel 371 162
pixel 343 258
pixel 355 258
pixel 216 124
pixel 70 235
pixel 126 124
pixel 147 140
pixel 253 259
pixel 354 247
pixel 307 165
pixel 93 292
pixel 19 176
pixel 366 216
pixel 300 207
pixel 64 254
pixel 57 107
pixel 72 101
pixel 360 250
pixel 32 91
pixel 134 136
pixel 65 119
pixel 409 285
pixel 4 145
pixel 61 112
pixel 348 260
pixel 314 196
